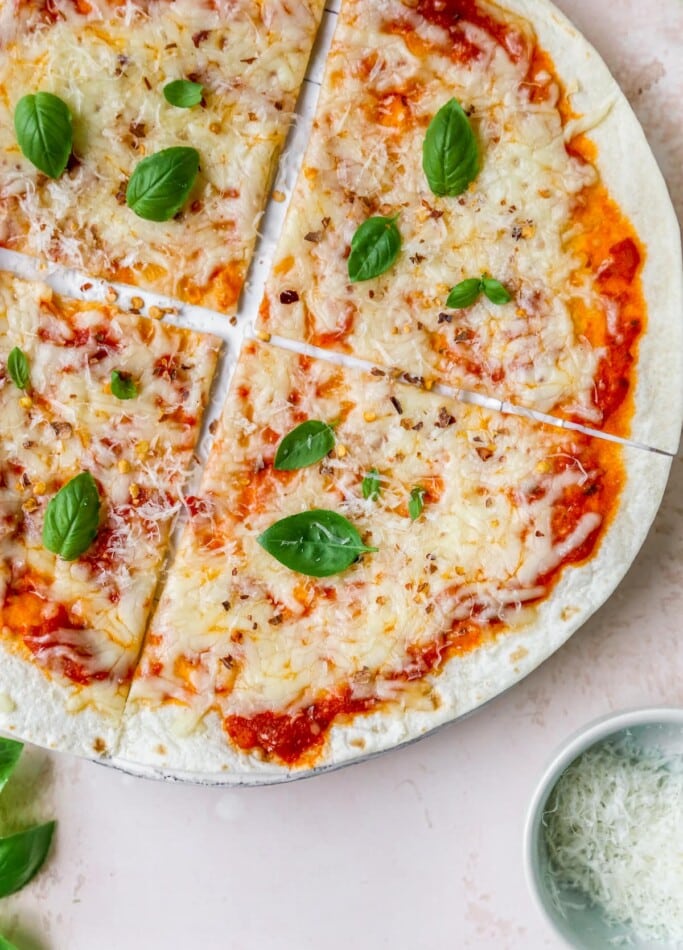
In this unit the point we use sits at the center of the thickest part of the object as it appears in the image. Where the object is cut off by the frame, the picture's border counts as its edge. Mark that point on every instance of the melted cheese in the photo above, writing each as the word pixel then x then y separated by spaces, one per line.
pixel 389 71
pixel 238 632
pixel 110 67
pixel 82 621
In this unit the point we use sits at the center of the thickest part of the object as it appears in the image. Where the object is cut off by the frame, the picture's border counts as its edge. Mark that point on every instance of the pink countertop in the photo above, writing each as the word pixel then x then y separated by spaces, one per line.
pixel 420 848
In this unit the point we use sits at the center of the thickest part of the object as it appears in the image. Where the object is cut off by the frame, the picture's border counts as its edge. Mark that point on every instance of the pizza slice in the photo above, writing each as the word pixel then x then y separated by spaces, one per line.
pixel 99 415
pixel 366 560
pixel 215 82
pixel 478 205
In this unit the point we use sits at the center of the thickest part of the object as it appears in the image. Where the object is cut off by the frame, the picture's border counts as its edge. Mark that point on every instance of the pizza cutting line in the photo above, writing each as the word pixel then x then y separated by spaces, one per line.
pixel 462 395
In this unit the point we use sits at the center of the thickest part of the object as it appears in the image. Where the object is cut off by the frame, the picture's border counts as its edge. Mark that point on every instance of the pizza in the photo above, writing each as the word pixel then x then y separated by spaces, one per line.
pixel 99 411
pixel 239 64
pixel 497 150
pixel 429 469
pixel 476 541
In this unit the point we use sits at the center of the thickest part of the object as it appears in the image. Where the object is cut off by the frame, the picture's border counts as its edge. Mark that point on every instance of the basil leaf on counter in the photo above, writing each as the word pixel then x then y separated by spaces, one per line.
pixel 10 751
pixel 72 518
pixel 42 123
pixel 465 293
pixel 122 385
pixel 161 182
pixel 374 248
pixel 450 154
pixel 371 486
pixel 416 503
pixel 305 445
pixel 183 93
pixel 317 543
pixel 22 855
pixel 18 368
pixel 494 290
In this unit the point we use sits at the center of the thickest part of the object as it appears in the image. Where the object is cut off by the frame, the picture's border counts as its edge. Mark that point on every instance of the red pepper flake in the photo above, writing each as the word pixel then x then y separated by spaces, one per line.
pixel 289 296
pixel 445 418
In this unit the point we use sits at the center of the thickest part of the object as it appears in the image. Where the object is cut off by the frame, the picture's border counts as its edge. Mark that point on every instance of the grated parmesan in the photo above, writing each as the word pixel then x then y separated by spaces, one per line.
pixel 614 832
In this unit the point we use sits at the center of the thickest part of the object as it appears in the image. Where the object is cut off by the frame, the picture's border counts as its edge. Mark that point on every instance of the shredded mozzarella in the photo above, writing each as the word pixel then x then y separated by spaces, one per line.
pixel 614 831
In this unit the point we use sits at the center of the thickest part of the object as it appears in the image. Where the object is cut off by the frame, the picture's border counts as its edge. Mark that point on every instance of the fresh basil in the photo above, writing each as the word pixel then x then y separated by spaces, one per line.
pixel 122 385
pixel 72 518
pixel 161 182
pixel 183 93
pixel 374 248
pixel 305 445
pixel 467 292
pixel 42 123
pixel 10 751
pixel 22 855
pixel 416 503
pixel 6 945
pixel 494 290
pixel 18 368
pixel 317 543
pixel 450 154
pixel 371 486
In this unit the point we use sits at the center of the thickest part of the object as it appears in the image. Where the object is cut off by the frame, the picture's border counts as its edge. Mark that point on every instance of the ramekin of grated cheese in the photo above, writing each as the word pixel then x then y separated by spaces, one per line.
pixel 603 842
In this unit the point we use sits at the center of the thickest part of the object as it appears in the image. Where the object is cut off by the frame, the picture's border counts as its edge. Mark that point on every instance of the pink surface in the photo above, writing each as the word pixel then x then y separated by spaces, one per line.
pixel 420 848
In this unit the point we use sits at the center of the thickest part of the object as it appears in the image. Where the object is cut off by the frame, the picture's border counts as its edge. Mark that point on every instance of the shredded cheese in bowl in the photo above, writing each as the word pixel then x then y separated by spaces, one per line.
pixel 613 828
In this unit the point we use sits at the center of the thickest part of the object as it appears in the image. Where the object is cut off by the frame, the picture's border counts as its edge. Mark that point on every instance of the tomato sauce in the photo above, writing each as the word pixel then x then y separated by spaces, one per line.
pixel 612 257
pixel 451 15
pixel 258 489
pixel 49 631
pixel 332 338
pixel 293 737
pixel 223 287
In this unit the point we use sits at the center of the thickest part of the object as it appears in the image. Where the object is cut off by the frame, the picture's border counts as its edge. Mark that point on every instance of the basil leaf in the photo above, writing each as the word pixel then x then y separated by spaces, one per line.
pixel 122 385
pixel 450 154
pixel 161 182
pixel 22 855
pixel 317 543
pixel 371 486
pixel 374 248
pixel 494 290
pixel 42 123
pixel 465 293
pixel 10 751
pixel 18 368
pixel 72 518
pixel 416 503
pixel 6 945
pixel 304 445
pixel 183 93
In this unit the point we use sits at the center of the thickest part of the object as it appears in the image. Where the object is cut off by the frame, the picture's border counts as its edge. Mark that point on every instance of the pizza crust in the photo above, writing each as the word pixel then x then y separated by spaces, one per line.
pixel 35 709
